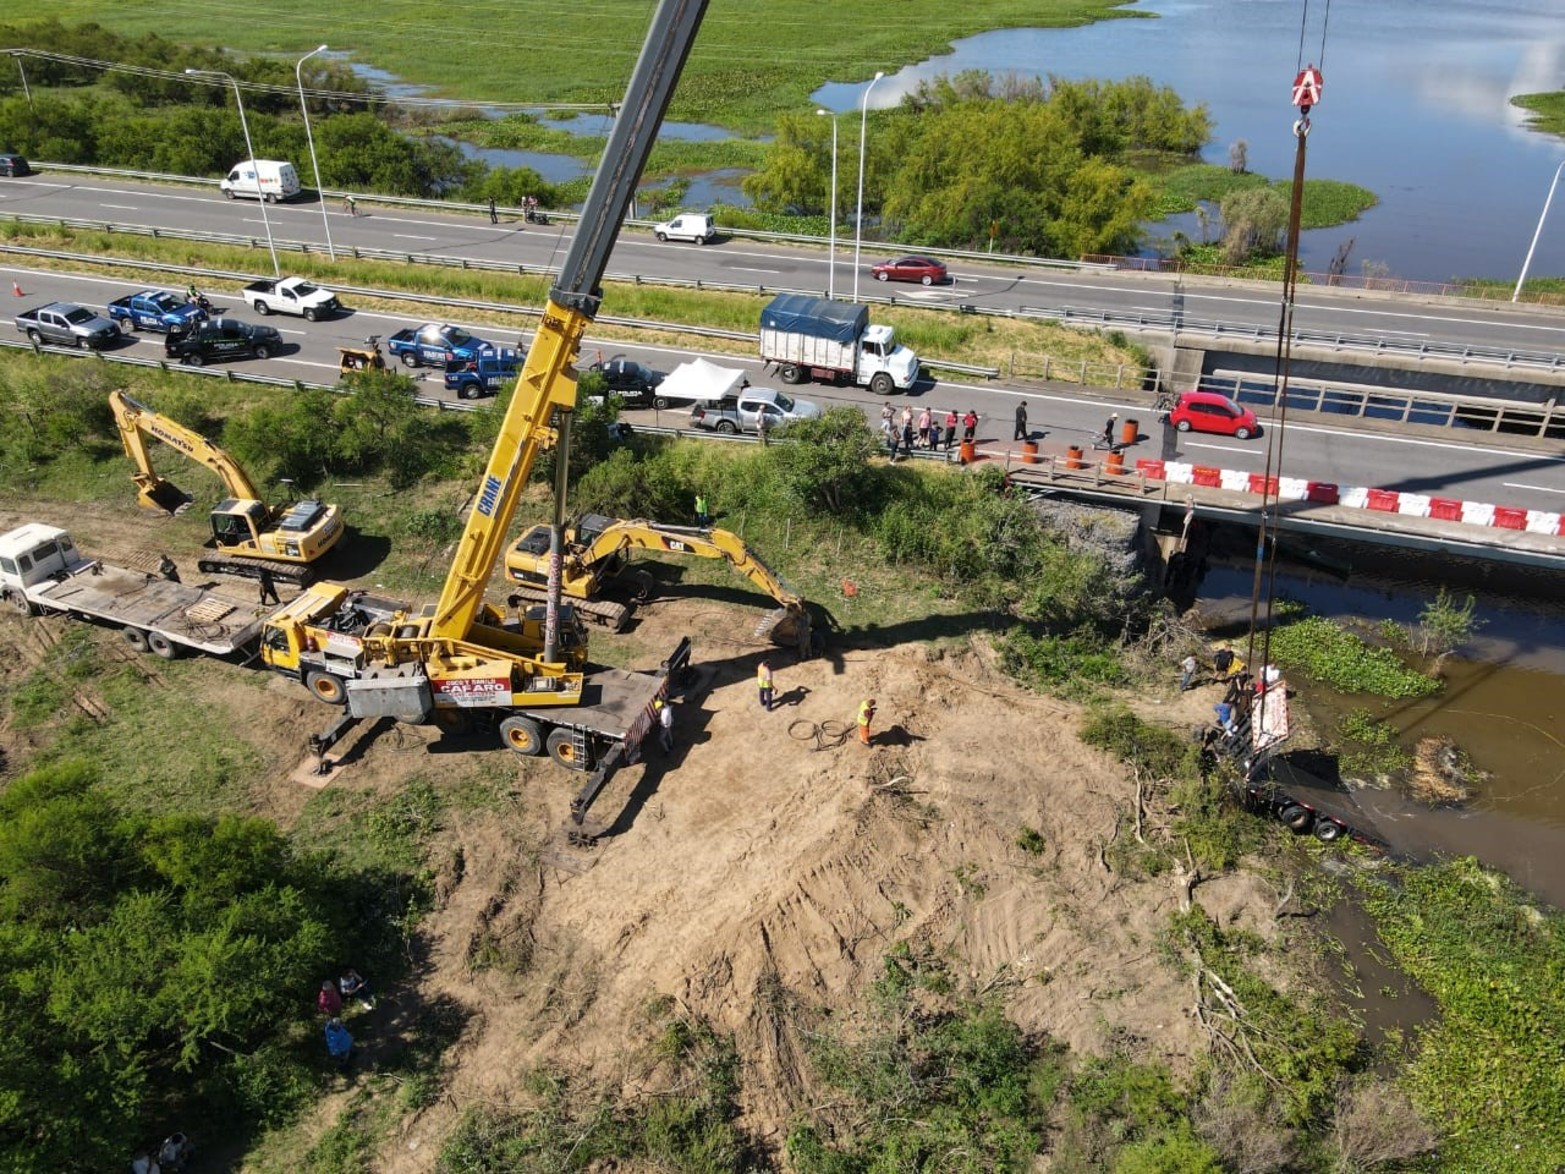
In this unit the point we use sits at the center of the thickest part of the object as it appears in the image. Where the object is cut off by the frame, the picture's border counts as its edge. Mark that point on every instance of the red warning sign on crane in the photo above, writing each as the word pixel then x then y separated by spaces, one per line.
pixel 1307 87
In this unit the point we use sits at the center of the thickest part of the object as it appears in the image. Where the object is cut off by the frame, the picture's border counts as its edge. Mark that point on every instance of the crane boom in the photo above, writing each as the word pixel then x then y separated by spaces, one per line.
pixel 547 383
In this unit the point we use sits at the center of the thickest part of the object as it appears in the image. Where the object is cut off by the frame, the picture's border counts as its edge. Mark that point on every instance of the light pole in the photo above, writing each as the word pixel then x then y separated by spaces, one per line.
pixel 310 138
pixel 831 265
pixel 858 219
pixel 277 270
pixel 1538 231
pixel 16 54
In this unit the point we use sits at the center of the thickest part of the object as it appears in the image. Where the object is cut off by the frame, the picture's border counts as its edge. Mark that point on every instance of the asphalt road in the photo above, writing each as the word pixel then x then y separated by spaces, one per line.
pixel 1448 466
pixel 1160 298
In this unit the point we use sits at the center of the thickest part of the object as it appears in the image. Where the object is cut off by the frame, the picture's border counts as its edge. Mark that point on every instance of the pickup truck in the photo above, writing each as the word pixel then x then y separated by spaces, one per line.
pixel 67 324
pixel 155 309
pixel 434 343
pixel 744 412
pixel 484 375
pixel 223 338
pixel 632 382
pixel 291 295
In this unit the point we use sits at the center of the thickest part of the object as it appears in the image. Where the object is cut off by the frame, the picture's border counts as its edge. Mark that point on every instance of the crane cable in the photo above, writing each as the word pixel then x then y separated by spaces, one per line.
pixel 1307 86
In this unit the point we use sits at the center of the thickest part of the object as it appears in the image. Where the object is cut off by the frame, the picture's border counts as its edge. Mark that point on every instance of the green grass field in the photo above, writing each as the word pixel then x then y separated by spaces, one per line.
pixel 750 61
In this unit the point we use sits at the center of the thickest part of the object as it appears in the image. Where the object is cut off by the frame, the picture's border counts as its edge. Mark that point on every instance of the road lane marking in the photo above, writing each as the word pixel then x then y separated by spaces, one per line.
pixel 1534 488
pixel 742 269
pixel 1249 452
pixel 404 236
pixel 121 207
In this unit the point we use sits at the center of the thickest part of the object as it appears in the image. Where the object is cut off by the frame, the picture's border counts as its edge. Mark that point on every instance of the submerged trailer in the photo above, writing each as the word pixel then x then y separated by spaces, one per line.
pixel 42 573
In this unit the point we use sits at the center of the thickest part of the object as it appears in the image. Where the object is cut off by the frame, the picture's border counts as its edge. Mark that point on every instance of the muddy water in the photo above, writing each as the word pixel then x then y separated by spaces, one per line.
pixel 1504 701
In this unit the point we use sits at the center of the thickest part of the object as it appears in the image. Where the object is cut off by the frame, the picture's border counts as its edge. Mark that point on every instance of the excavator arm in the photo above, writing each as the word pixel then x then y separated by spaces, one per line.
pixel 137 422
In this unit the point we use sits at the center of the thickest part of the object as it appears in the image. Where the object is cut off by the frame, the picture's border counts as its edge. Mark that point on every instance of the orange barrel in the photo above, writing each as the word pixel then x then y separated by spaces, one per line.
pixel 1073 457
pixel 1029 452
pixel 1129 431
pixel 1114 463
pixel 968 453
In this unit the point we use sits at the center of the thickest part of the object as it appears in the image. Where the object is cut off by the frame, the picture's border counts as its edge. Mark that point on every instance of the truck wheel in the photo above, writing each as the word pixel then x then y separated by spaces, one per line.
pixel 1327 830
pixel 662 236
pixel 563 749
pixel 271 197
pixel 1297 818
pixel 262 308
pixel 409 359
pixel 881 384
pixel 229 192
pixel 263 352
pixel 726 426
pixel 35 338
pixel 522 735
pixel 160 645
pixel 311 314
pixel 195 359
pixel 469 391
pixel 327 687
pixel 134 638
pixel 660 403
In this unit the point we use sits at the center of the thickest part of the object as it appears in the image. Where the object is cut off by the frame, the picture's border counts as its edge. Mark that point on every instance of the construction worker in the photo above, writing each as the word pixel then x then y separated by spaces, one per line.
pixel 268 588
pixel 167 569
pixel 763 681
pixel 866 715
pixel 665 725
pixel 702 517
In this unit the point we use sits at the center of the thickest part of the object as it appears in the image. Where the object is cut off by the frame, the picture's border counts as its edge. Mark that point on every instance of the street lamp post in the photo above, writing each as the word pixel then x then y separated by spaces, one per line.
pixel 858 219
pixel 1538 231
pixel 831 265
pixel 16 55
pixel 277 270
pixel 304 107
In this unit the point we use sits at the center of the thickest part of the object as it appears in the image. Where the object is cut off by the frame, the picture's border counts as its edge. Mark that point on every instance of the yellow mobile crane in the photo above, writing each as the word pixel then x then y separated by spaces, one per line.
pixel 249 535
pixel 596 557
pixel 460 659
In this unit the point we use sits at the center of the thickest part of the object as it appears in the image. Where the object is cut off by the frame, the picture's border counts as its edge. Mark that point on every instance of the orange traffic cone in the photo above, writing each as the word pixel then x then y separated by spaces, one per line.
pixel 16 288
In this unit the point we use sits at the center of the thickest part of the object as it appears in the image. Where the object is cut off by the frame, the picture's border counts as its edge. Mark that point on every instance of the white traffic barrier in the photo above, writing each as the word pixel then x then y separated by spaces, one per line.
pixel 1292 488
pixel 1542 522
pixel 1354 497
pixel 1478 513
pixel 1415 505
pixel 1181 472
pixel 1235 480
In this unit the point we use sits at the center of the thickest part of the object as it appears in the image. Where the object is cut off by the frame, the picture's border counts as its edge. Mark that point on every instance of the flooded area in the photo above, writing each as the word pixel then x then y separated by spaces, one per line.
pixel 1503 701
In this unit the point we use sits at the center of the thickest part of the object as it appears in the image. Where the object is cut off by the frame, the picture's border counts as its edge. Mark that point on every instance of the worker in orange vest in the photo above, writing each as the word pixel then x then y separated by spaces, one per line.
pixel 866 715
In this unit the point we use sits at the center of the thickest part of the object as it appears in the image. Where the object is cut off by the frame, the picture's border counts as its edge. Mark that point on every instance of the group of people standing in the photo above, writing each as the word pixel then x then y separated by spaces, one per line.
pixel 904 433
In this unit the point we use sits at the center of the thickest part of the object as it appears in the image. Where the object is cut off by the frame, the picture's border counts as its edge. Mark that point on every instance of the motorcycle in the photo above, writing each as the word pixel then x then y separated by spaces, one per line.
pixel 1163 405
pixel 196 298
pixel 533 216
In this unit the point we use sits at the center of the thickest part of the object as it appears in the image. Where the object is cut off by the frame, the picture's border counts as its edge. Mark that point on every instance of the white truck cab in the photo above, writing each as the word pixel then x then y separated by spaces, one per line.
pixel 879 351
pixel 688 226
pixel 267 179
pixel 36 553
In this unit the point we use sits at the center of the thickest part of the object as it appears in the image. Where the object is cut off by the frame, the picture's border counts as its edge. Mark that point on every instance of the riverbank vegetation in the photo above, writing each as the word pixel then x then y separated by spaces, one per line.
pixel 1546 111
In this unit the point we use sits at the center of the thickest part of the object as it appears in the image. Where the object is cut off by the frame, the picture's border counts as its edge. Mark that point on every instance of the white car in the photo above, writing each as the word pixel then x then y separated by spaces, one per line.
pixel 688 226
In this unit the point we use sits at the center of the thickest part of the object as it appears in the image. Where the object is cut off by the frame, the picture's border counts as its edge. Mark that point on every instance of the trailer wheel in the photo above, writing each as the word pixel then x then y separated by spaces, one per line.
pixel 327 687
pixel 134 638
pixel 1297 818
pixel 522 735
pixel 161 645
pixel 793 373
pixel 563 749
pixel 1327 830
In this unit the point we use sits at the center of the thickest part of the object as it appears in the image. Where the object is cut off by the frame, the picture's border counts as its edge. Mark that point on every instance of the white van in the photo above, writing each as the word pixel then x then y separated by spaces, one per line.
pixel 688 226
pixel 274 179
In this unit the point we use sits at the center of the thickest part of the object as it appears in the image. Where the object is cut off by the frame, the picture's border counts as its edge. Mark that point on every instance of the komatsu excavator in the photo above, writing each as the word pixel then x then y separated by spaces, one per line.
pixel 249 535
pixel 596 559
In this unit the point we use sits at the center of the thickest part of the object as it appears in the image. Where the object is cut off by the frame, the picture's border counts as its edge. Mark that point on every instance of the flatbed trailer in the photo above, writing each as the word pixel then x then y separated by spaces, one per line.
pixel 42 572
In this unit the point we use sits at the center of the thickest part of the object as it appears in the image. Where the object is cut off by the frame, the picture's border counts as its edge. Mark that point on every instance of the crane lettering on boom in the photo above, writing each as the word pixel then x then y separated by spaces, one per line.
pixel 490 495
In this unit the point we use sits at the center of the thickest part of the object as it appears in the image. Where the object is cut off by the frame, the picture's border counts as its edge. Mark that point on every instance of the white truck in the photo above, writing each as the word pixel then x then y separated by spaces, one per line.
pixel 266 179
pixel 291 295
pixel 42 573
pixel 815 338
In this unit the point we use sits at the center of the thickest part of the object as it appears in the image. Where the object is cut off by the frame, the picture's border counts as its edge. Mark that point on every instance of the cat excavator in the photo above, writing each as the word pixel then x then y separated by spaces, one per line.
pixel 596 559
pixel 249 535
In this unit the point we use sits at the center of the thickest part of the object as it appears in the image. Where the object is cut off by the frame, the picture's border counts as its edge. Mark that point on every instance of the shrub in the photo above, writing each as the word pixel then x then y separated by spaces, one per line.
pixel 1325 651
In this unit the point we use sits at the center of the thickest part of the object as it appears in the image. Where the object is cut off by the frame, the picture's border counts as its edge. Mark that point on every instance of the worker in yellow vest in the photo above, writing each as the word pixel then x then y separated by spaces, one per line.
pixel 763 682
pixel 866 715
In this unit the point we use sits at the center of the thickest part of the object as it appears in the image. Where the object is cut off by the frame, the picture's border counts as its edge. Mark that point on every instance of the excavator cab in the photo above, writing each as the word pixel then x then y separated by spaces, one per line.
pixel 235 522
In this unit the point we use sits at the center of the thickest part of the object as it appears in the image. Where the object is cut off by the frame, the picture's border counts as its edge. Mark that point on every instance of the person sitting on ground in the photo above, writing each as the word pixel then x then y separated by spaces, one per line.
pixel 329 1001
pixel 176 1151
pixel 339 1044
pixel 354 986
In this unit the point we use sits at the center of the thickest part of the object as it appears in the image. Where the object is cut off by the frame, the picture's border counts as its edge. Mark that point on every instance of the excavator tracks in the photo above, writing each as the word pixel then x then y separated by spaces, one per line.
pixel 603 612
pixel 251 568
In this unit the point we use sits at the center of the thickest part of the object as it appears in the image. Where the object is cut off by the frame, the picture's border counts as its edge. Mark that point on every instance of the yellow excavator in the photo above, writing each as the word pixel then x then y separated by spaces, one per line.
pixel 249 536
pixel 595 559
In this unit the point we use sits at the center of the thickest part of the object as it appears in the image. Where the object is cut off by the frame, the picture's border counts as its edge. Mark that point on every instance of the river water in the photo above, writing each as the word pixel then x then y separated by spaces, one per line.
pixel 1415 108
pixel 1503 701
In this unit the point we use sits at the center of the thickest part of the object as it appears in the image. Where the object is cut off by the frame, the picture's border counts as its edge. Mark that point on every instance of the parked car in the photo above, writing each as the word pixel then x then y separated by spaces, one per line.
pixel 223 338
pixel 13 164
pixel 688 226
pixel 742 413
pixel 1208 411
pixel 67 324
pixel 633 382
pixel 924 270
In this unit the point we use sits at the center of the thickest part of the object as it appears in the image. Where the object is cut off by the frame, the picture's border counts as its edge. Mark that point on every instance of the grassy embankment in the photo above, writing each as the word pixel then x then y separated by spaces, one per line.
pixel 1020 348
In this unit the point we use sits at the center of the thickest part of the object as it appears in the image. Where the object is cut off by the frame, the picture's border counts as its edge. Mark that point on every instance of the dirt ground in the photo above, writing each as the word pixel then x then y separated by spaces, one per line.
pixel 755 855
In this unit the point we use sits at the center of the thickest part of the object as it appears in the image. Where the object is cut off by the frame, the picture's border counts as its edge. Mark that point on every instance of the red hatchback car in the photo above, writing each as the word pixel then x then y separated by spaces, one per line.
pixel 925 270
pixel 1207 411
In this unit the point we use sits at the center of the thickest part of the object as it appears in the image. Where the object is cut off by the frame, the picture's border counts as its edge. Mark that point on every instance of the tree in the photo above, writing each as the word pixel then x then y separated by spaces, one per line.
pixel 824 463
pixel 1238 156
pixel 1253 220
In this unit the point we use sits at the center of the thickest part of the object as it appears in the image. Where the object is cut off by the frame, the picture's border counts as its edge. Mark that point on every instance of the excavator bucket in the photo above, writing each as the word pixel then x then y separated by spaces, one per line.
pixel 154 493
pixel 788 627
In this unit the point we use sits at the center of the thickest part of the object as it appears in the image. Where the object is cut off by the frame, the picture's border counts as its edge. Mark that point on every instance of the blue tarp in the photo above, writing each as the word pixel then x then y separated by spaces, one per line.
pixel 818 317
